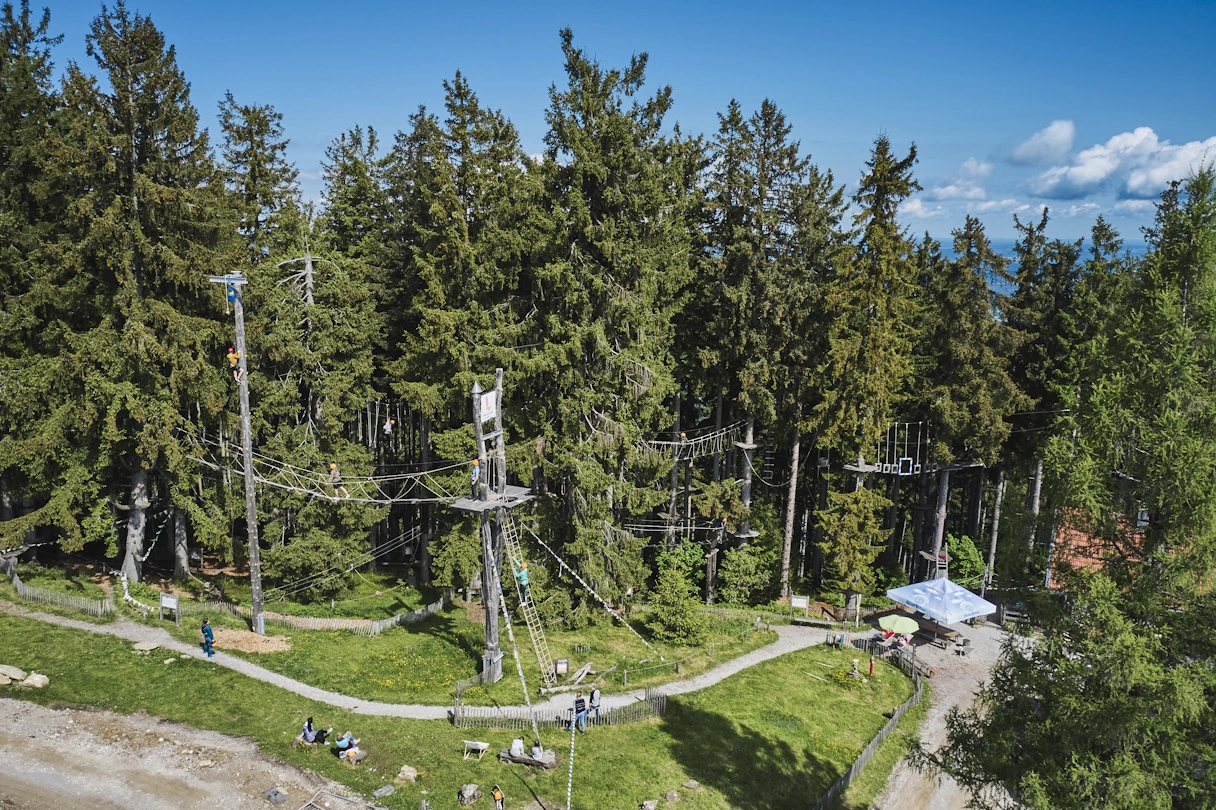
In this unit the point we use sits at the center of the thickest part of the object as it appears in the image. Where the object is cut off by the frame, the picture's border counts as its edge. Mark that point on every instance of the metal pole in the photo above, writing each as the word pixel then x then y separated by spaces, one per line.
pixel 233 283
pixel 570 770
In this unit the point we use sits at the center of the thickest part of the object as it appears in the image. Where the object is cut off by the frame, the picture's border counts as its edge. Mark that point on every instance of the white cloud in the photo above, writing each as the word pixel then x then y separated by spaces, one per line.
pixel 918 210
pixel 1135 206
pixel 965 184
pixel 1138 161
pixel 1049 145
pixel 998 206
pixel 1079 210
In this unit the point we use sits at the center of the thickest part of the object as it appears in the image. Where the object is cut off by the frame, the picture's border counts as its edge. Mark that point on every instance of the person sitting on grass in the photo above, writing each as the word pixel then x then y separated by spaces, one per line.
pixel 347 745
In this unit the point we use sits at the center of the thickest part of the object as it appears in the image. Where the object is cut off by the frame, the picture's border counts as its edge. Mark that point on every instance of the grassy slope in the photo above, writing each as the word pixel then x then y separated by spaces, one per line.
pixel 770 737
pixel 421 663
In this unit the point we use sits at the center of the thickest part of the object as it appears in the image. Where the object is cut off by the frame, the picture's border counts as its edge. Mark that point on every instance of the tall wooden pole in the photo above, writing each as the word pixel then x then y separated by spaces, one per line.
pixel 996 528
pixel 233 283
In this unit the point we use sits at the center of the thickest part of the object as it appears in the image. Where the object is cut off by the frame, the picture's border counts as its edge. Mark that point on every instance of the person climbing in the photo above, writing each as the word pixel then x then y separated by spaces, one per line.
pixel 476 476
pixel 497 795
pixel 595 703
pixel 208 638
pixel 580 713
pixel 335 480
pixel 234 362
pixel 521 573
pixel 388 427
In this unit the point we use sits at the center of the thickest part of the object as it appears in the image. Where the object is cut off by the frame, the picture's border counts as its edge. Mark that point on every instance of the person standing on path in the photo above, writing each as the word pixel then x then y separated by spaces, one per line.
pixel 595 703
pixel 580 713
pixel 208 638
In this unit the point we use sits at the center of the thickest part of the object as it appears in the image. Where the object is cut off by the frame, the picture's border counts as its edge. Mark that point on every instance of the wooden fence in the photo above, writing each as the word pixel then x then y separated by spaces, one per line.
pixel 362 627
pixel 517 718
pixel 909 668
pixel 94 607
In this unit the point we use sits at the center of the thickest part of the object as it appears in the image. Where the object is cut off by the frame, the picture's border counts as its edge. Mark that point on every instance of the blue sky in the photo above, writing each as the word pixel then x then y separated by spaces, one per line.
pixel 1087 107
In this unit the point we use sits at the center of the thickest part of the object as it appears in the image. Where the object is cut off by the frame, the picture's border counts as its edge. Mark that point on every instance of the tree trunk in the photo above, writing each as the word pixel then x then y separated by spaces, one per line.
pixel 137 519
pixel 1036 490
pixel 892 515
pixel 675 475
pixel 746 494
pixel 718 427
pixel 424 548
pixel 852 605
pixel 6 500
pixel 996 527
pixel 790 506
pixel 939 523
pixel 817 532
pixel 918 526
pixel 977 505
pixel 181 556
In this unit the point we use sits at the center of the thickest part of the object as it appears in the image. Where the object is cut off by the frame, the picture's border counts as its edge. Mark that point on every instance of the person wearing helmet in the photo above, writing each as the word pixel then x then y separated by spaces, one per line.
pixel 499 798
pixel 335 480
pixel 476 475
pixel 521 573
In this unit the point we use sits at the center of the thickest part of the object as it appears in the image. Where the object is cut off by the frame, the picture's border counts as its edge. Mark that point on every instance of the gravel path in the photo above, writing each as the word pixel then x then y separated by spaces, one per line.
pixel 954 683
pixel 789 639
pixel 96 760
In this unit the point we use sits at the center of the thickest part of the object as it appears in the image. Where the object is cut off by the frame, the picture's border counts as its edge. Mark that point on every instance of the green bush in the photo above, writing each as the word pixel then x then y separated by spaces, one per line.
pixel 675 615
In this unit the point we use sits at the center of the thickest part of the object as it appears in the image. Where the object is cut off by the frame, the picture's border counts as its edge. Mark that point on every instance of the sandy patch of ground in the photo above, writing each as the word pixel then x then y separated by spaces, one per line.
pixel 93 760
pixel 246 641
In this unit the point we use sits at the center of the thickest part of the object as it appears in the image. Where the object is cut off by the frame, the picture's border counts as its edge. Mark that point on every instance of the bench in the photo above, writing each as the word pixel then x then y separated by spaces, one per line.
pixel 473 747
pixel 810 620
pixel 963 646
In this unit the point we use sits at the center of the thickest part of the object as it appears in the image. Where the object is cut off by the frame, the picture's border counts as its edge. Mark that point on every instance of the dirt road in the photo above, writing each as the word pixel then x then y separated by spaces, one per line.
pixel 954 683
pixel 93 760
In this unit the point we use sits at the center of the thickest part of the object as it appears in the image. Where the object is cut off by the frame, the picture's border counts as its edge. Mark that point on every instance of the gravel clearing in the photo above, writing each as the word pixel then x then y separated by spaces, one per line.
pixel 95 760
pixel 955 682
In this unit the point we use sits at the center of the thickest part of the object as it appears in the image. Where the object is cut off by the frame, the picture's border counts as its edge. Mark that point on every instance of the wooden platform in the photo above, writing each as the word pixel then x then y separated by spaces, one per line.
pixel 514 496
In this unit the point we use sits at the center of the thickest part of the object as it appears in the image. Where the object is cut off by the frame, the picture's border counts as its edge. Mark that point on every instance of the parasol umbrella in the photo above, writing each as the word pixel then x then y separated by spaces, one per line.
pixel 898 624
pixel 942 600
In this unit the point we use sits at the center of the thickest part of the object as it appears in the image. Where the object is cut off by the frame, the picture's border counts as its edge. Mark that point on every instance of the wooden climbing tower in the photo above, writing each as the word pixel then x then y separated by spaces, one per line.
pixel 491 496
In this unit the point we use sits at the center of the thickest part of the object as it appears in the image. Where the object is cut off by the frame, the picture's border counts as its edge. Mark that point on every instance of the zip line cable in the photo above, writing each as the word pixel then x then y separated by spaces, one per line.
pixel 591 590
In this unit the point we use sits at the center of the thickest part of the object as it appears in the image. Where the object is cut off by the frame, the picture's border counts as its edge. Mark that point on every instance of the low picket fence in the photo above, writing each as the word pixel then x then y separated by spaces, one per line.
pixel 362 627
pixel 910 669
pixel 518 718
pixel 30 593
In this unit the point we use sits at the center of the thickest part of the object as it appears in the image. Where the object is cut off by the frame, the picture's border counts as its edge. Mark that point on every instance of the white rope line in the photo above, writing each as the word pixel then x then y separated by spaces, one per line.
pixel 281 592
pixel 519 667
pixel 591 590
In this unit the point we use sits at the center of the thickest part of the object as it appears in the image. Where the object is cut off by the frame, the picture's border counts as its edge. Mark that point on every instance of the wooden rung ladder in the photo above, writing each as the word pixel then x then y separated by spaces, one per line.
pixel 510 539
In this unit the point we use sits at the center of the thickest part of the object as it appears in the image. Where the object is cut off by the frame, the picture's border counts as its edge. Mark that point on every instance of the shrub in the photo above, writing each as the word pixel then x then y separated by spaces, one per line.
pixel 675 615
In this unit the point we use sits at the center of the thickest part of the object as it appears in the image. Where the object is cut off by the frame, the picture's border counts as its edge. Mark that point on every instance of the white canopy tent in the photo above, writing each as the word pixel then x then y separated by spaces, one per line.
pixel 942 600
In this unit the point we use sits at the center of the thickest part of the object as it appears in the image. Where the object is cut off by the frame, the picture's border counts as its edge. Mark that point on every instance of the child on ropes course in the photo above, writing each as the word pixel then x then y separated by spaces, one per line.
pixel 335 480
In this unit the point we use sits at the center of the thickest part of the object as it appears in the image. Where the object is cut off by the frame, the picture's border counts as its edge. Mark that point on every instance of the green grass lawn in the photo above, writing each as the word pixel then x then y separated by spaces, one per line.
pixel 770 737
pixel 371 595
pixel 422 663
pixel 73 580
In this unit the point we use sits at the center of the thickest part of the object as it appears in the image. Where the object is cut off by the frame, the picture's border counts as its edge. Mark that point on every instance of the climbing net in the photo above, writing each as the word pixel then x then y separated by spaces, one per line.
pixel 421 486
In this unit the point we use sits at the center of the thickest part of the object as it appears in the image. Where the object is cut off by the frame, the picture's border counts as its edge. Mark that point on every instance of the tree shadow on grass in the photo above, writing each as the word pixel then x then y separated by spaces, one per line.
pixel 749 768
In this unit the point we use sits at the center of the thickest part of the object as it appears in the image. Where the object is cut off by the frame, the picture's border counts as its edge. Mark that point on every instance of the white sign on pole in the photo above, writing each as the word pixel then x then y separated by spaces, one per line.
pixel 802 603
pixel 489 405
pixel 169 602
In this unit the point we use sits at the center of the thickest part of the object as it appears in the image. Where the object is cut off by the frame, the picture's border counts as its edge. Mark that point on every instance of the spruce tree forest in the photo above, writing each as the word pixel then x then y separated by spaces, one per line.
pixel 707 346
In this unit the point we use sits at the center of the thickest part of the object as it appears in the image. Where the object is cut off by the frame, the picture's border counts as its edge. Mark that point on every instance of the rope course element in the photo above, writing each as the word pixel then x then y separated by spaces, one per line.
pixel 16 551
pixel 282 592
pixel 694 447
pixel 519 667
pixel 418 487
pixel 591 591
